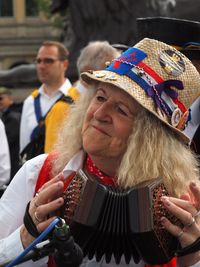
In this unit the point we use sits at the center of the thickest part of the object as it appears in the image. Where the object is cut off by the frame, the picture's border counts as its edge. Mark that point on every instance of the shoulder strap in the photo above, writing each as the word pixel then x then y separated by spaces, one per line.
pixel 38 113
pixel 36 95
pixel 44 174
pixel 64 98
pixel 37 108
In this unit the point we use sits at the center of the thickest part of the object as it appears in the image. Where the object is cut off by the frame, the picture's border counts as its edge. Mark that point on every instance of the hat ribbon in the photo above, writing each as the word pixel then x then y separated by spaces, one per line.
pixel 155 92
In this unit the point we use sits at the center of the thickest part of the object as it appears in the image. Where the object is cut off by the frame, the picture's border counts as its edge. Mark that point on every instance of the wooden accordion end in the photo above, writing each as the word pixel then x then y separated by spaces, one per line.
pixel 108 221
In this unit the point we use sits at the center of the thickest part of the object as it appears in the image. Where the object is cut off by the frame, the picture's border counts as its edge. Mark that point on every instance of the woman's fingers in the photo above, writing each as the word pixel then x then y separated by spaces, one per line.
pixel 42 212
pixel 57 178
pixel 195 189
pixel 44 224
pixel 182 209
pixel 46 202
pixel 49 193
pixel 187 214
pixel 184 237
pixel 186 197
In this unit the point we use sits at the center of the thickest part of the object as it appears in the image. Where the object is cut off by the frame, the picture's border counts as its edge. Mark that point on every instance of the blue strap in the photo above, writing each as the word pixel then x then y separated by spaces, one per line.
pixel 38 115
pixel 37 108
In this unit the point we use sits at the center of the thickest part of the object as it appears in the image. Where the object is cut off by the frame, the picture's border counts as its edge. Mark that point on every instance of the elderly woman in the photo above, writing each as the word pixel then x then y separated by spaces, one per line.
pixel 125 130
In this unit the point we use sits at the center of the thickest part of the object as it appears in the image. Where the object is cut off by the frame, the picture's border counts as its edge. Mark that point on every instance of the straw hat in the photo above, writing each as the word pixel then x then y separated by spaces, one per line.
pixel 157 76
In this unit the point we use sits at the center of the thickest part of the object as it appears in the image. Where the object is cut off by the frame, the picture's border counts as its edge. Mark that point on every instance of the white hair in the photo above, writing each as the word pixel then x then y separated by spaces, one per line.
pixel 95 55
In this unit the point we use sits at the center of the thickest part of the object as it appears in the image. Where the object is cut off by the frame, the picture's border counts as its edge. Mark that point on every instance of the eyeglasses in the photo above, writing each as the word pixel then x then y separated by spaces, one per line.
pixel 46 61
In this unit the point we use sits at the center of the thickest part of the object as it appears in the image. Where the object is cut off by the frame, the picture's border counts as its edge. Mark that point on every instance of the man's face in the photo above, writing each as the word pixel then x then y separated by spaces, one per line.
pixel 5 101
pixel 50 68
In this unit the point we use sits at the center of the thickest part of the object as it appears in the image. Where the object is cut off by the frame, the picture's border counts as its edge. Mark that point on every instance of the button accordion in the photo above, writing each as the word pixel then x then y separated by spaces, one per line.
pixel 107 221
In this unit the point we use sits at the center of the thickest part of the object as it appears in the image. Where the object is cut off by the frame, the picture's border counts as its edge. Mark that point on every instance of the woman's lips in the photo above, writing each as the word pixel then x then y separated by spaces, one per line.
pixel 100 130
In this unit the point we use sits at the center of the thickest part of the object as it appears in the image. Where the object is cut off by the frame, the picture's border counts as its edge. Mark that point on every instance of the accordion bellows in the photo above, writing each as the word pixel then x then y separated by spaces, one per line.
pixel 107 221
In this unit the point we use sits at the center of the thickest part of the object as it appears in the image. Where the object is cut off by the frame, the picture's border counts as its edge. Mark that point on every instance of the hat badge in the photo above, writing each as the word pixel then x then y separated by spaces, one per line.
pixel 172 62
pixel 176 116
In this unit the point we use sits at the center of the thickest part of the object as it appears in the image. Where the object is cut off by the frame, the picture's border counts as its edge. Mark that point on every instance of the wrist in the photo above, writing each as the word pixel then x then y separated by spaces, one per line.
pixel 26 238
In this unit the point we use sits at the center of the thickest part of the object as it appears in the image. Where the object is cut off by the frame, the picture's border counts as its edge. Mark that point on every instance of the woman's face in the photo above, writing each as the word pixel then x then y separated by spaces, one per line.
pixel 108 122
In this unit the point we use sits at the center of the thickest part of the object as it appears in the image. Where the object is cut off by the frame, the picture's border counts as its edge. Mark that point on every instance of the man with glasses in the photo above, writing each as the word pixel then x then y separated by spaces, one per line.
pixel 51 64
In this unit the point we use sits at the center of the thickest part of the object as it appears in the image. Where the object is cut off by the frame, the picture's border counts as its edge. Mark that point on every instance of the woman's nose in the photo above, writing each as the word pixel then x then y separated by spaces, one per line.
pixel 103 113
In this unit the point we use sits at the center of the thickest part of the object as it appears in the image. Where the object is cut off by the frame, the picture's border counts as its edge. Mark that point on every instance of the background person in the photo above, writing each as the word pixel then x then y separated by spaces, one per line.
pixel 94 56
pixel 121 133
pixel 11 115
pixel 4 159
pixel 52 64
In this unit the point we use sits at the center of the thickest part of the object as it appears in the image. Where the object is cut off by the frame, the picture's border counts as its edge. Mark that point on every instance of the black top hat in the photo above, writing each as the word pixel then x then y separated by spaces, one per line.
pixel 183 34
pixel 121 47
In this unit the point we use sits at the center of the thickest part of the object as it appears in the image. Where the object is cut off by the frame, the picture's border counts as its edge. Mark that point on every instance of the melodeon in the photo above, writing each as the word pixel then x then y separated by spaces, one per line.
pixel 107 221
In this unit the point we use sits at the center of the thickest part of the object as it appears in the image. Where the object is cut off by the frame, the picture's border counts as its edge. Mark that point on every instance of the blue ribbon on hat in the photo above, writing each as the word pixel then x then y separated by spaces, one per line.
pixel 155 92
pixel 127 60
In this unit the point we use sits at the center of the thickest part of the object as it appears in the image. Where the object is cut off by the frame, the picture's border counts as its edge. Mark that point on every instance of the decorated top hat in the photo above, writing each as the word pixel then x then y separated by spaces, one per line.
pixel 120 47
pixel 157 76
pixel 180 33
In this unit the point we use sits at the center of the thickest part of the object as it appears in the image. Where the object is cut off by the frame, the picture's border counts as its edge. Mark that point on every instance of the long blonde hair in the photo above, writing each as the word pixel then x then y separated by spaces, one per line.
pixel 153 150
pixel 69 140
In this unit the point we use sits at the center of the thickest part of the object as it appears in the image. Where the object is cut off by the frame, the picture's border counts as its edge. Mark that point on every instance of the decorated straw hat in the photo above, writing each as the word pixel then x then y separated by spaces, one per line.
pixel 157 76
pixel 181 33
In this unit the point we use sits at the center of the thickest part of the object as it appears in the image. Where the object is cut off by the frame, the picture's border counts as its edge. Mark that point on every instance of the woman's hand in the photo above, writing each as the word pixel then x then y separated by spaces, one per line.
pixel 42 207
pixel 186 209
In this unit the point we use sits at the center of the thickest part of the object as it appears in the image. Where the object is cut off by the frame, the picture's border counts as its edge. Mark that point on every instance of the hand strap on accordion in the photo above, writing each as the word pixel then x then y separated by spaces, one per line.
pixel 29 224
pixel 194 247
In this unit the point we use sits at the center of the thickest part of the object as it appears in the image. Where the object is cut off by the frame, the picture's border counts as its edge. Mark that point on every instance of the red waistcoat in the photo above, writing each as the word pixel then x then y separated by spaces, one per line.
pixel 45 176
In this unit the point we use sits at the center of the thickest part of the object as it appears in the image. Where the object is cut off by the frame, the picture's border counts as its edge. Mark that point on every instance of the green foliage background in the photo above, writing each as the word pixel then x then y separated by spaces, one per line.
pixel 44 7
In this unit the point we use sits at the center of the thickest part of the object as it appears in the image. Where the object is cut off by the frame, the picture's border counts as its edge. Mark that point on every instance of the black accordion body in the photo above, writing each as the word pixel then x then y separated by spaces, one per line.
pixel 107 221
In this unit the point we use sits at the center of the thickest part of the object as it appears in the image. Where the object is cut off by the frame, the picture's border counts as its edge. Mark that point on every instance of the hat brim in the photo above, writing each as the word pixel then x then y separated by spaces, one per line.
pixel 132 88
